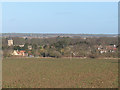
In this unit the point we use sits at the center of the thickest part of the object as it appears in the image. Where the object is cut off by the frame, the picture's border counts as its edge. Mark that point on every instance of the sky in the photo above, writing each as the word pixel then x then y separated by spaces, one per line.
pixel 60 17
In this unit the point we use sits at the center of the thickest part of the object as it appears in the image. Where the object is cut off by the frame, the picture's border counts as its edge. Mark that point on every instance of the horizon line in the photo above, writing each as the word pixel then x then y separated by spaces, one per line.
pixel 55 33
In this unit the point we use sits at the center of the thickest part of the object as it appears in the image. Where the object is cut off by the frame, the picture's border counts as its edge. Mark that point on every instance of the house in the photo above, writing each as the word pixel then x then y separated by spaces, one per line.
pixel 30 47
pixel 15 52
pixel 100 47
pixel 103 51
pixel 22 53
pixel 19 53
pixel 111 48
pixel 21 46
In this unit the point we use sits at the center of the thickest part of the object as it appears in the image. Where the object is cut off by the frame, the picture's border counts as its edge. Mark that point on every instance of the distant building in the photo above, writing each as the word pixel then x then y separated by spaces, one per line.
pixel 22 53
pixel 10 42
pixel 19 53
pixel 15 52
pixel 30 47
pixel 21 46
pixel 108 48
pixel 103 51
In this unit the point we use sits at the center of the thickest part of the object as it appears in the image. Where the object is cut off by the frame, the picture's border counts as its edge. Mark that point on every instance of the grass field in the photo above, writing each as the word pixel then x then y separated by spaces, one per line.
pixel 59 73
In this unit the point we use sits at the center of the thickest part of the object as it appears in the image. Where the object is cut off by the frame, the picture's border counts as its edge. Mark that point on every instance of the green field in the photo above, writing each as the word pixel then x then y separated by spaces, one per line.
pixel 59 73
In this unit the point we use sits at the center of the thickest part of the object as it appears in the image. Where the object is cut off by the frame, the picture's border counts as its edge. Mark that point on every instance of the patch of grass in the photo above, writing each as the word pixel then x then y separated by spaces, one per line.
pixel 59 73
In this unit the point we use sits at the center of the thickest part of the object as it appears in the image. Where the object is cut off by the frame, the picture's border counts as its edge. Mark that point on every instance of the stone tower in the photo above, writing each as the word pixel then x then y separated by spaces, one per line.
pixel 10 42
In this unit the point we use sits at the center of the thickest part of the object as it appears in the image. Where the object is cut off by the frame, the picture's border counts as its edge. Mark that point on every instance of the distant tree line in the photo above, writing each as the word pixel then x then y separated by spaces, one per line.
pixel 61 46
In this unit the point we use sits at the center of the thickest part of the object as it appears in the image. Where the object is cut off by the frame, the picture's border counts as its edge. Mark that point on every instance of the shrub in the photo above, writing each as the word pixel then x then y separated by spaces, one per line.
pixel 55 54
pixel 92 56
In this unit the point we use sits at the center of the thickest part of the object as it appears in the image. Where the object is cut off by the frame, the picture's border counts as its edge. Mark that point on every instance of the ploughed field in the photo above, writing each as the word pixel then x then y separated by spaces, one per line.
pixel 59 73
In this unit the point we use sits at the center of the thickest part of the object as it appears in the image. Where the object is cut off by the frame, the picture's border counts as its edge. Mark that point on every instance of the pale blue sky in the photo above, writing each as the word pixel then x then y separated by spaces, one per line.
pixel 61 17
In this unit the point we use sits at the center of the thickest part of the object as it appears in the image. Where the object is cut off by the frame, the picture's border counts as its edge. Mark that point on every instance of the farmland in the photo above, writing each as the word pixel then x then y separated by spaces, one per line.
pixel 61 72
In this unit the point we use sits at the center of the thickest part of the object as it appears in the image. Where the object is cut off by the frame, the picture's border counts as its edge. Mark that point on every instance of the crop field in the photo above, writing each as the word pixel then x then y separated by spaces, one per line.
pixel 59 73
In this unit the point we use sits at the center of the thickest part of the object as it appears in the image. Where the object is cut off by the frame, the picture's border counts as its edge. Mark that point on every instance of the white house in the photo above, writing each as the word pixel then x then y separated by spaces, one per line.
pixel 15 52
pixel 19 53
pixel 21 45
pixel 30 47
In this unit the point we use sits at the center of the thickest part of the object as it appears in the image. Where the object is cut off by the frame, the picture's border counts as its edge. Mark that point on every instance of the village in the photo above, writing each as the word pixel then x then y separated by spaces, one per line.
pixel 22 50
pixel 19 52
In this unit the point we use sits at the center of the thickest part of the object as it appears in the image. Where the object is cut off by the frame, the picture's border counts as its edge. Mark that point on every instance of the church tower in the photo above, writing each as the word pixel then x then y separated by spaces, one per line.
pixel 10 42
